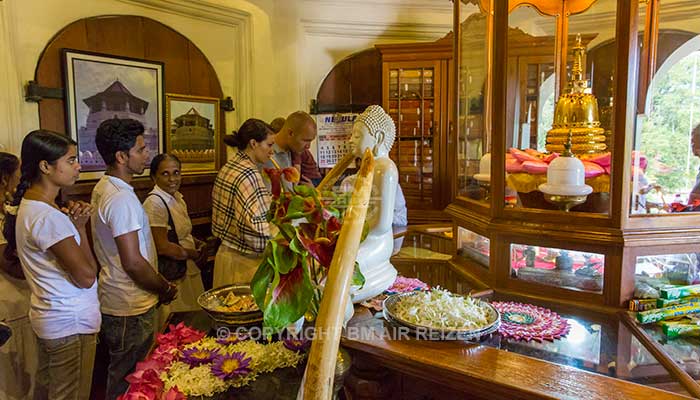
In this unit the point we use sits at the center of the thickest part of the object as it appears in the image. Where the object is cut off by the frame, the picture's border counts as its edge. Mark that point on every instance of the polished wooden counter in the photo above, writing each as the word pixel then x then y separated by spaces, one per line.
pixel 455 368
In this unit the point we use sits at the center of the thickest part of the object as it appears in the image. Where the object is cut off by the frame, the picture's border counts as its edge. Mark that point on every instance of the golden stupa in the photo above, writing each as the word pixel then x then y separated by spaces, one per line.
pixel 577 112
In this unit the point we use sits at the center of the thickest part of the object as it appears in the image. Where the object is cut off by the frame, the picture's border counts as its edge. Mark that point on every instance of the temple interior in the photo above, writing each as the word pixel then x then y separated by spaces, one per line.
pixel 503 203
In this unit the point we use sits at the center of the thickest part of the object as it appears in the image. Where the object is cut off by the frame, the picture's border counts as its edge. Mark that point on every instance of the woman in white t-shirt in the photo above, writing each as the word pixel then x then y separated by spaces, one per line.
pixel 51 243
pixel 19 355
pixel 165 173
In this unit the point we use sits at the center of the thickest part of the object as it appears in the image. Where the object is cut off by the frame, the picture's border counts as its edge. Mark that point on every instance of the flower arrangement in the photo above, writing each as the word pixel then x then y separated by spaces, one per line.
pixel 288 283
pixel 186 363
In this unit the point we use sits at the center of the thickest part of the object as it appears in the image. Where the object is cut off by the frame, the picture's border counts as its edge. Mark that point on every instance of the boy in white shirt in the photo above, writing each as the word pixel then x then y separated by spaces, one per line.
pixel 130 286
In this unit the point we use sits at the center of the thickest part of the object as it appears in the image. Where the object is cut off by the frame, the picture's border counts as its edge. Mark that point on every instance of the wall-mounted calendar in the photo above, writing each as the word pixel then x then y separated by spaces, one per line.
pixel 334 131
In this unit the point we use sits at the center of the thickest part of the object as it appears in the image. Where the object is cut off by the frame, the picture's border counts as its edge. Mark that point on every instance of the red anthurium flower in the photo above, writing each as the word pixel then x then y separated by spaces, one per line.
pixel 333 225
pixel 320 248
pixel 291 174
pixel 275 180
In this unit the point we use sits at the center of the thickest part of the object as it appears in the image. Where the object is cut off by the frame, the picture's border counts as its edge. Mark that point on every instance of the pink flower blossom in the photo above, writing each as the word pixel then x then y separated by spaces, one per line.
pixel 173 394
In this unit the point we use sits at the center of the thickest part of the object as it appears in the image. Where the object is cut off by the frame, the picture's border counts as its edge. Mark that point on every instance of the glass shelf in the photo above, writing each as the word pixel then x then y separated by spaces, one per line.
pixel 569 269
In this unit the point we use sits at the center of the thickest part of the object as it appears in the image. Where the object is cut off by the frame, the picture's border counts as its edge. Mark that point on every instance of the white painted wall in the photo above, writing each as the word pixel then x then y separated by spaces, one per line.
pixel 270 55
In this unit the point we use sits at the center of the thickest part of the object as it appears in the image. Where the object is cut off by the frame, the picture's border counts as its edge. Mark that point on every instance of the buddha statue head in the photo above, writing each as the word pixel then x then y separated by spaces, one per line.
pixel 373 129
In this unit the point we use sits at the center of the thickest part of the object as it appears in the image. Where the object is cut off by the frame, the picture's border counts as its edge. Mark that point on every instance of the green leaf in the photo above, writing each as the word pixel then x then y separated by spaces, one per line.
pixel 289 300
pixel 296 246
pixel 296 207
pixel 284 258
pixel 365 232
pixel 288 231
pixel 357 278
pixel 261 282
pixel 305 191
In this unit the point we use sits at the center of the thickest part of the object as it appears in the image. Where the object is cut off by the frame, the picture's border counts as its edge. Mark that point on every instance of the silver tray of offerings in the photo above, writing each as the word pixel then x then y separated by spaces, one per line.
pixel 231 304
pixel 440 315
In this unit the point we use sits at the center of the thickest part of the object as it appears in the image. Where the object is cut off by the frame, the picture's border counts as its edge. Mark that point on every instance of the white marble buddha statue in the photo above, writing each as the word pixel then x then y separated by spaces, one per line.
pixel 374 129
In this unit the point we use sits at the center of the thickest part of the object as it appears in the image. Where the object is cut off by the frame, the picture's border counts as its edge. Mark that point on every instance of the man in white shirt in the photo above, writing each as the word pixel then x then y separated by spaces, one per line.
pixel 129 285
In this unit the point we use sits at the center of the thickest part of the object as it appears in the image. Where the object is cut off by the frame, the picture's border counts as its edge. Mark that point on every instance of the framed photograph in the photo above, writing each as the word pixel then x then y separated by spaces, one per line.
pixel 101 86
pixel 192 126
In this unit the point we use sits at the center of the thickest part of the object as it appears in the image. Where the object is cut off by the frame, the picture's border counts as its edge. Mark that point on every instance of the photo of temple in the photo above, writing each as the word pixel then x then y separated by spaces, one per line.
pixel 116 101
pixel 192 137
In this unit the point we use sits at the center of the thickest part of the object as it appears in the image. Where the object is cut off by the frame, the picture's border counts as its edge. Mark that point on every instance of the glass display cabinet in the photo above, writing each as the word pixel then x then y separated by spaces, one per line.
pixel 606 89
pixel 415 93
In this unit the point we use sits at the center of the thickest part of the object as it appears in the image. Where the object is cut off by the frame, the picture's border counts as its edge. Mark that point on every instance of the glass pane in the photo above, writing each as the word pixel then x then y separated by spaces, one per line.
pixel 570 269
pixel 474 138
pixel 474 247
pixel 539 124
pixel 665 162
pixel 530 100
pixel 656 271
pixel 596 343
pixel 412 106
pixel 683 350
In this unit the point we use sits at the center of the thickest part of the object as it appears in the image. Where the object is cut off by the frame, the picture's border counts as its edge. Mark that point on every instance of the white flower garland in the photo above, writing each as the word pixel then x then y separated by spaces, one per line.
pixel 200 381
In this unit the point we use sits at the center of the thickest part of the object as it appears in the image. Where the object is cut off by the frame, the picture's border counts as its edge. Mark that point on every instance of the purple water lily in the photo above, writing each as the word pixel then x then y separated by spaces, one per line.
pixel 197 356
pixel 232 338
pixel 297 345
pixel 227 366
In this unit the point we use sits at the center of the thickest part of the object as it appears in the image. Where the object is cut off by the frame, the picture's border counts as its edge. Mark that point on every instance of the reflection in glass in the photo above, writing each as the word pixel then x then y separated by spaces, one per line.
pixel 655 271
pixel 474 140
pixel 412 107
pixel 570 269
pixel 666 156
pixel 544 109
pixel 473 246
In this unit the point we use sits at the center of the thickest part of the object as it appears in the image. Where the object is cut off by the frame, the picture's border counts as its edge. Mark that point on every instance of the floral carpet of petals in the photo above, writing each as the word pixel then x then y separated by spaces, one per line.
pixel 187 363
pixel 529 322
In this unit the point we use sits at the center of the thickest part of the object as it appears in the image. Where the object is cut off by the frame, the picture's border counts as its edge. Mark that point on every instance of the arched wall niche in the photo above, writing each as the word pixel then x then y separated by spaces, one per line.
pixel 186 71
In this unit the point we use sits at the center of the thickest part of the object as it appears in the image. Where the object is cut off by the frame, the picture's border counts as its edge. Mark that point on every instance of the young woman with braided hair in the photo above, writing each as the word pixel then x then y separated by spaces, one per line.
pixel 52 245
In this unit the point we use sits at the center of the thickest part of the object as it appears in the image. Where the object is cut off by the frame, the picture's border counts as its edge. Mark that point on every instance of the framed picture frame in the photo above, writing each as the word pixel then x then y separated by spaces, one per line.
pixel 102 86
pixel 193 132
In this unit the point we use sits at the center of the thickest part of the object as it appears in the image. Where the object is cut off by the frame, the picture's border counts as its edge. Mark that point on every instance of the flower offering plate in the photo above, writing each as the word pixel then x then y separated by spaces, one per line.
pixel 432 333
pixel 211 298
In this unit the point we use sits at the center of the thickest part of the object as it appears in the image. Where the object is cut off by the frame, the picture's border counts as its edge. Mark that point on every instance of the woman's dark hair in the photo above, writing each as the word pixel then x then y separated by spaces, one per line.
pixel 155 163
pixel 115 135
pixel 37 146
pixel 8 165
pixel 252 128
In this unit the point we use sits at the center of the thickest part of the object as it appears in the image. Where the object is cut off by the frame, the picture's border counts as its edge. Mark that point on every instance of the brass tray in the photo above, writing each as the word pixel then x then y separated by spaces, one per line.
pixel 430 333
pixel 206 299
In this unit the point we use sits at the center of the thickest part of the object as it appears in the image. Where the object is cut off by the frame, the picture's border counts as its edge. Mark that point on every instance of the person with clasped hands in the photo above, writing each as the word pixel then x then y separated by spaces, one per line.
pixel 52 245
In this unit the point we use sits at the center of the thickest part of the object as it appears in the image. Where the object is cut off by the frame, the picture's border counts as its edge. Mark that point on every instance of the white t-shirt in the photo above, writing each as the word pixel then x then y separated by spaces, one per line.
pixel 118 211
pixel 158 215
pixel 59 308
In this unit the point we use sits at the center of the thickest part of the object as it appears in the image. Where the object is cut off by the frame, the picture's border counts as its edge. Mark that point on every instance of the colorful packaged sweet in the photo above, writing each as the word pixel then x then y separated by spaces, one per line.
pixel 680 291
pixel 660 314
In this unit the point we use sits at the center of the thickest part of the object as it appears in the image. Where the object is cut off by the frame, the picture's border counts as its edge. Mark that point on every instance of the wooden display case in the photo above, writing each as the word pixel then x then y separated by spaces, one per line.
pixel 525 243
pixel 415 82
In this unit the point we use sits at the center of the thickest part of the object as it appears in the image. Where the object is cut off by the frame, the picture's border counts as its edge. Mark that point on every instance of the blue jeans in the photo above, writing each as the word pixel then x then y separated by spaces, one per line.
pixel 128 339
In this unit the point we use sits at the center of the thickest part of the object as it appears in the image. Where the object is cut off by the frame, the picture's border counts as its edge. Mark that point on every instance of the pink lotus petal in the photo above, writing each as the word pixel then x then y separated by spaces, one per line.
pixel 535 167
pixel 592 169
pixel 522 156
pixel 514 166
pixel 173 394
